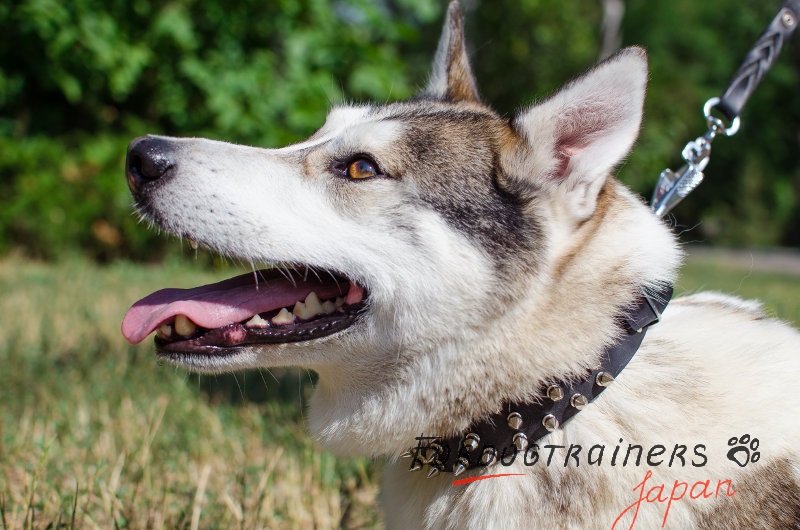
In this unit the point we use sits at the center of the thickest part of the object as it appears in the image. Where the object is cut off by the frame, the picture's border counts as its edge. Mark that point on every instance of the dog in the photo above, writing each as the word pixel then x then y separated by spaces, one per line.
pixel 456 277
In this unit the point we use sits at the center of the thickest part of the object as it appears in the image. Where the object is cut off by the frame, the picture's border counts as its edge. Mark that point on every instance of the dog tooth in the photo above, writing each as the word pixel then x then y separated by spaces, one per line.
pixel 164 331
pixel 313 304
pixel 283 317
pixel 256 322
pixel 301 311
pixel 192 243
pixel 184 326
pixel 310 308
pixel 328 307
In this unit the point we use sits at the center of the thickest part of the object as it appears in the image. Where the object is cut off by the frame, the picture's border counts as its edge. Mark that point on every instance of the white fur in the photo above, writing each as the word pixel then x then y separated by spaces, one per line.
pixel 436 351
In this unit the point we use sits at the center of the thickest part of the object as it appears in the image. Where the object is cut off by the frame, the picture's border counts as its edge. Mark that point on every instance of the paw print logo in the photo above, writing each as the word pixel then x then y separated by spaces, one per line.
pixel 743 450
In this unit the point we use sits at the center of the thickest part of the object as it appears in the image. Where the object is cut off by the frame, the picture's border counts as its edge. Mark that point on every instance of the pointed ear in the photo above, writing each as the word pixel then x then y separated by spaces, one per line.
pixel 452 77
pixel 576 137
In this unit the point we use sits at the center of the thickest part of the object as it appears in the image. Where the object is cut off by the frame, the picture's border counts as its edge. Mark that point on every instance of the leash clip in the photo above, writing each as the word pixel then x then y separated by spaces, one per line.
pixel 672 187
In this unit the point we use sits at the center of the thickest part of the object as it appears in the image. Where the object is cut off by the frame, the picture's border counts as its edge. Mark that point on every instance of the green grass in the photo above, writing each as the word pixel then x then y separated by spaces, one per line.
pixel 780 292
pixel 94 433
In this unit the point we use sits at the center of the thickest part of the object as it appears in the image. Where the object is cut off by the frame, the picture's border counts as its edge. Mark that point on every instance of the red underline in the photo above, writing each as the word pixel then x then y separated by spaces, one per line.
pixel 484 477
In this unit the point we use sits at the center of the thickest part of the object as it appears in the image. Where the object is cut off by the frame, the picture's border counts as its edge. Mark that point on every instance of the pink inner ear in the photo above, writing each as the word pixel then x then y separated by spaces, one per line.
pixel 565 150
pixel 573 140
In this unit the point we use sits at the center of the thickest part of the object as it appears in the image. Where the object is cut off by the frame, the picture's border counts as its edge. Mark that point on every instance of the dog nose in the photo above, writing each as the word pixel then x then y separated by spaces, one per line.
pixel 149 159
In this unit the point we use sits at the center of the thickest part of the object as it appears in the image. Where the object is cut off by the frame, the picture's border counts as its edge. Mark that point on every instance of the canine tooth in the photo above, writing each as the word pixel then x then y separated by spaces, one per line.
pixel 310 308
pixel 302 311
pixel 193 244
pixel 164 331
pixel 328 307
pixel 283 317
pixel 184 326
pixel 313 304
pixel 256 322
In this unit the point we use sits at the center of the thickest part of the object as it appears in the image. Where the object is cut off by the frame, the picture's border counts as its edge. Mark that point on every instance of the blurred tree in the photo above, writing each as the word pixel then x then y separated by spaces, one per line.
pixel 79 79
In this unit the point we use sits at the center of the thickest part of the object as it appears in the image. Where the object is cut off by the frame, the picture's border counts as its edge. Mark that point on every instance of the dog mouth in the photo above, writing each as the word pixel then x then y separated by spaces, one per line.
pixel 259 308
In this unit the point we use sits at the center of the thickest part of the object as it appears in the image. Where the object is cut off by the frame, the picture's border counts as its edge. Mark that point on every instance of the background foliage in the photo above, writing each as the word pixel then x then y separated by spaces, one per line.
pixel 79 79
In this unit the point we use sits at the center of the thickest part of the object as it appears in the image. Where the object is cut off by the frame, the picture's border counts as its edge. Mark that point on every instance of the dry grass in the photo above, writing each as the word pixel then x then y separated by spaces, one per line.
pixel 94 434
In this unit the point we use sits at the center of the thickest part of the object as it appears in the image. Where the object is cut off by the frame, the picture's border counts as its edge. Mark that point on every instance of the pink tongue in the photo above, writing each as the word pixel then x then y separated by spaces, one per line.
pixel 219 304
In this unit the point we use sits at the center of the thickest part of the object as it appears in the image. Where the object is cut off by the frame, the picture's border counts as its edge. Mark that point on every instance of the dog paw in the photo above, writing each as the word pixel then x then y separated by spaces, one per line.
pixel 743 450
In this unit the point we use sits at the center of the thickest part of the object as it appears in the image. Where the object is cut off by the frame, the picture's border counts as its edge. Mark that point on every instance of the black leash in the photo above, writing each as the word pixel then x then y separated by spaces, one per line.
pixel 672 186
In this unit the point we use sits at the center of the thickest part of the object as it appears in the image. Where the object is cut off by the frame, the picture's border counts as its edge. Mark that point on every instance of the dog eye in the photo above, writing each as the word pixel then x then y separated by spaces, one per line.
pixel 361 169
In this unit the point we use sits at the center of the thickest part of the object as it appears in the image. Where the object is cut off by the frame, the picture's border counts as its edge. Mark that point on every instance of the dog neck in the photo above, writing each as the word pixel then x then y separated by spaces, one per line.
pixel 566 315
pixel 510 431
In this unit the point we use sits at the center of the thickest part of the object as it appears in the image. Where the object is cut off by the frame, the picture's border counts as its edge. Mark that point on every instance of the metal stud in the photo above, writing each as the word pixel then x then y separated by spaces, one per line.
pixel 520 441
pixel 604 379
pixel 416 466
pixel 515 420
pixel 555 393
pixel 461 466
pixel 788 20
pixel 471 441
pixel 550 423
pixel 431 452
pixel 409 453
pixel 433 472
pixel 578 401
pixel 488 455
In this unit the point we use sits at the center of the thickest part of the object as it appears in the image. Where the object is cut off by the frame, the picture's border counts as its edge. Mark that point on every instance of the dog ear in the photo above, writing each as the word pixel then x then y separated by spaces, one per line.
pixel 452 77
pixel 576 137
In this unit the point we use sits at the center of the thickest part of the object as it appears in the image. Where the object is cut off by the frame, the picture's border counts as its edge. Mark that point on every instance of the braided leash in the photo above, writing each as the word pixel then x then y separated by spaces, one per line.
pixel 673 186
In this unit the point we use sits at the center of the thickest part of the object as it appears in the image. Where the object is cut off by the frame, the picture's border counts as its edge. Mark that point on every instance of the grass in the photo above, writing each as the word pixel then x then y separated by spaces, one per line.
pixel 95 434
pixel 780 292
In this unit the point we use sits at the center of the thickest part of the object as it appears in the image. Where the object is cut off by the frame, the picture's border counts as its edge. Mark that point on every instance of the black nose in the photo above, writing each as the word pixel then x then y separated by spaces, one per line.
pixel 149 159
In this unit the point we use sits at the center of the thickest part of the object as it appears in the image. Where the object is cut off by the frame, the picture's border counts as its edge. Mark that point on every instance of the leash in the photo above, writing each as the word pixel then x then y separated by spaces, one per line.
pixel 672 187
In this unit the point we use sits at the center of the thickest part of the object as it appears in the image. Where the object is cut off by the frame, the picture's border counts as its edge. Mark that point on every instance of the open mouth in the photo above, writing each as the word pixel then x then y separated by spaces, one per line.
pixel 264 307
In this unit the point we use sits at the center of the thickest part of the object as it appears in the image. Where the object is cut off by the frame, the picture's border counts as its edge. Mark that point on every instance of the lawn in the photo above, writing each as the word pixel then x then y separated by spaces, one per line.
pixel 94 433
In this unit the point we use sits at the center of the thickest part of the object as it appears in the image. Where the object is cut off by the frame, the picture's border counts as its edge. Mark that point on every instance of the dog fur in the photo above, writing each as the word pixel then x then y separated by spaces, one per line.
pixel 498 253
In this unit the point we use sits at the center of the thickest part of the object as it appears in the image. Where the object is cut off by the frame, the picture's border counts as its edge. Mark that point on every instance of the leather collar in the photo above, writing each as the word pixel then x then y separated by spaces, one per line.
pixel 519 425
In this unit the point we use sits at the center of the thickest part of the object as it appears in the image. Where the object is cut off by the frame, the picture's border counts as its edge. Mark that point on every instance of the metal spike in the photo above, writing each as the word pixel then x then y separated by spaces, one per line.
pixel 432 452
pixel 520 441
pixel 555 393
pixel 578 401
pixel 408 454
pixel 416 466
pixel 471 441
pixel 550 423
pixel 433 472
pixel 461 466
pixel 604 379
pixel 515 420
pixel 488 456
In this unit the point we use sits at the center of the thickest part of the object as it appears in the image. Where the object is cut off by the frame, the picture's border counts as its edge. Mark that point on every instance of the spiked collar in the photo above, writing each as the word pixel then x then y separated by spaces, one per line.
pixel 517 425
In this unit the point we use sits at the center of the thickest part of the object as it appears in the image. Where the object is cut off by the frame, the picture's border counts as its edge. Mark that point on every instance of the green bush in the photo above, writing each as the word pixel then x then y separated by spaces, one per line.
pixel 80 79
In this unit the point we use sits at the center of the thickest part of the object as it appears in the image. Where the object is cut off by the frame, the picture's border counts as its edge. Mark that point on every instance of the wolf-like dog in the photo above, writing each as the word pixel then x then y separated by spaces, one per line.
pixel 438 264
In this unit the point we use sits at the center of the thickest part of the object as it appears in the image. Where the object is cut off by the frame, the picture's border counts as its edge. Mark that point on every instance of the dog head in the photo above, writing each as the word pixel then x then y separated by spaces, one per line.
pixel 422 228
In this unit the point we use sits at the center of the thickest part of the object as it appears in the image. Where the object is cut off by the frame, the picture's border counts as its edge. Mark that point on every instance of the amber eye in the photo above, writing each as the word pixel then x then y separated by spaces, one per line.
pixel 361 169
